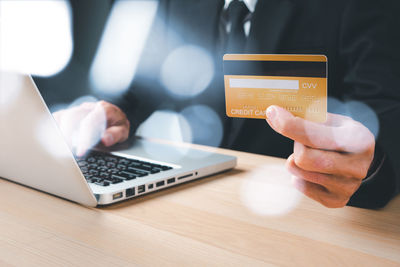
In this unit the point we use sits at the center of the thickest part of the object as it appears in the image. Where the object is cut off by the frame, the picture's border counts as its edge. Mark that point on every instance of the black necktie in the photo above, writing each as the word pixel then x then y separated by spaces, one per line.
pixel 236 14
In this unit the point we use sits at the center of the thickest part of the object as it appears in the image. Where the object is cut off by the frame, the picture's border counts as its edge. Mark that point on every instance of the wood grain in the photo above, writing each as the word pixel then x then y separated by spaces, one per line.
pixel 202 223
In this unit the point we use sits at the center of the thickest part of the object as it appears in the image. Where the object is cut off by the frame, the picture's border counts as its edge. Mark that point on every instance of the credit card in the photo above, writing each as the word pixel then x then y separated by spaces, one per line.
pixel 297 83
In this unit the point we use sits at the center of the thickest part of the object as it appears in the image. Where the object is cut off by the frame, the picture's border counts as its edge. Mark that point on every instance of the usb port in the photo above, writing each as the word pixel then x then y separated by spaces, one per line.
pixel 185 176
pixel 171 180
pixel 161 183
pixel 130 192
pixel 141 189
pixel 117 195
pixel 150 186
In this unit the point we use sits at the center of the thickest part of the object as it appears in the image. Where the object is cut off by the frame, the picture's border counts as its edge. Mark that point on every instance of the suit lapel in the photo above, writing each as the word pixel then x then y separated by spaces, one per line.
pixel 269 22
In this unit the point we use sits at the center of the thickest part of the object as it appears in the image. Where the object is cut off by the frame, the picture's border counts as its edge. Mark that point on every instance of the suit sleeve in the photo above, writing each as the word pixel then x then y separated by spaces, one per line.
pixel 369 44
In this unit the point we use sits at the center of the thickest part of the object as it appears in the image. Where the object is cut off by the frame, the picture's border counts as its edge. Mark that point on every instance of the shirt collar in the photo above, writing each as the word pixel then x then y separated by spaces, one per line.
pixel 251 4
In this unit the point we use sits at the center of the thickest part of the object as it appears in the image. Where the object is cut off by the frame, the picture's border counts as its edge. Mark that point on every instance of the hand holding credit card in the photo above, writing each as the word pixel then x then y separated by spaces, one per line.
pixel 297 83
pixel 332 153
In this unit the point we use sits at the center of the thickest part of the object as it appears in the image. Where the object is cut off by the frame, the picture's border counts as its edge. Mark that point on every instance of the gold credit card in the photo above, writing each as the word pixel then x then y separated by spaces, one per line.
pixel 297 83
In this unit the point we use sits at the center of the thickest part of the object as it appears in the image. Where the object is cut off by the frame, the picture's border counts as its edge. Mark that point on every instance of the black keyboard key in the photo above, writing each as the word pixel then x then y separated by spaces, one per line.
pixel 135 164
pixel 95 180
pixel 157 166
pixel 111 159
pixel 116 181
pixel 123 161
pixel 155 170
pixel 103 183
pixel 82 163
pixel 102 168
pixel 113 170
pixel 110 164
pixel 162 167
pixel 117 177
pixel 127 175
pixel 141 167
pixel 146 167
pixel 99 167
pixel 94 172
pixel 139 173
pixel 121 167
pixel 104 175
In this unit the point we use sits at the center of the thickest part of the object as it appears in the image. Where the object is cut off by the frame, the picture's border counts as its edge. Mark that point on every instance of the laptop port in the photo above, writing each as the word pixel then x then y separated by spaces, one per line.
pixel 185 176
pixel 130 192
pixel 141 189
pixel 171 180
pixel 161 183
pixel 117 195
pixel 150 186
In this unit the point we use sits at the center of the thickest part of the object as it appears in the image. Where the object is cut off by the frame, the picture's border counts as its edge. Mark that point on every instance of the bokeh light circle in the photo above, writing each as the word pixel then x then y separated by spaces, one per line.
pixel 268 191
pixel 363 113
pixel 358 111
pixel 166 125
pixel 347 134
pixel 35 36
pixel 121 46
pixel 187 71
pixel 206 126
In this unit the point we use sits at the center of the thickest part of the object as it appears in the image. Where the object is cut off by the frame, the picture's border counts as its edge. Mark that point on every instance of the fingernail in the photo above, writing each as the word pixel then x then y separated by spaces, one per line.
pixel 108 139
pixel 271 113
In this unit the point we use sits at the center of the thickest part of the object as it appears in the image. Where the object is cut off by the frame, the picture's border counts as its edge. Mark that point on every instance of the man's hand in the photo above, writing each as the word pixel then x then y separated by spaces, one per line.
pixel 330 160
pixel 85 125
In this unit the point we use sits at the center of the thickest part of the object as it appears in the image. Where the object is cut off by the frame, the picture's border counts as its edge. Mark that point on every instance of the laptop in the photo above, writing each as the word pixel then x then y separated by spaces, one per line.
pixel 33 153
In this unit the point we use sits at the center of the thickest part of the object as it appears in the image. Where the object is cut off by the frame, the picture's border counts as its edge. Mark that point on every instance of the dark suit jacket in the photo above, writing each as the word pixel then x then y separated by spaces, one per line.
pixel 359 37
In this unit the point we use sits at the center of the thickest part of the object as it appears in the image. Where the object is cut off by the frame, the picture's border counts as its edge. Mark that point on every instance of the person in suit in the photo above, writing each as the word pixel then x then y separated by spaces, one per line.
pixel 359 38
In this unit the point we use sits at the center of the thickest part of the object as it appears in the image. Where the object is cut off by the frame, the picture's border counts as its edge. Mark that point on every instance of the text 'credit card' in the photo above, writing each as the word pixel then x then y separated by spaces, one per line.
pixel 297 83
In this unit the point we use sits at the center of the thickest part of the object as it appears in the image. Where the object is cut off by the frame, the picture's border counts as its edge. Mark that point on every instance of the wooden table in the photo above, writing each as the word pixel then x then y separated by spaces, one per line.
pixel 209 222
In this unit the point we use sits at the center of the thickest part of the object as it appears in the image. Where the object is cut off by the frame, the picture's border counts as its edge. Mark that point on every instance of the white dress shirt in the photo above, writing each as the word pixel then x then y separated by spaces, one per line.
pixel 251 5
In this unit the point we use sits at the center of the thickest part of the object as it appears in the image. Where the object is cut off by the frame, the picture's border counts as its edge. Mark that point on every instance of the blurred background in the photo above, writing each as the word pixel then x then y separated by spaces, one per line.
pixel 83 50
pixel 88 19
pixel 89 50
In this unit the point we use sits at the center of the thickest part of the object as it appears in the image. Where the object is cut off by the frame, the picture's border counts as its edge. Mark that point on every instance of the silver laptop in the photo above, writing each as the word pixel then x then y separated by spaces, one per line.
pixel 34 153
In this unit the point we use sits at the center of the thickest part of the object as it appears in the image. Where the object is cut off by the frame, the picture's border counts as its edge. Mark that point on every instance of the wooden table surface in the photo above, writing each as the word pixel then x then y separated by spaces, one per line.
pixel 246 217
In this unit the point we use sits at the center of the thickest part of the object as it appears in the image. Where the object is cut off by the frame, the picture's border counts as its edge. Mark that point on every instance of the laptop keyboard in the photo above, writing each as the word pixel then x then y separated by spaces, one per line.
pixel 105 169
